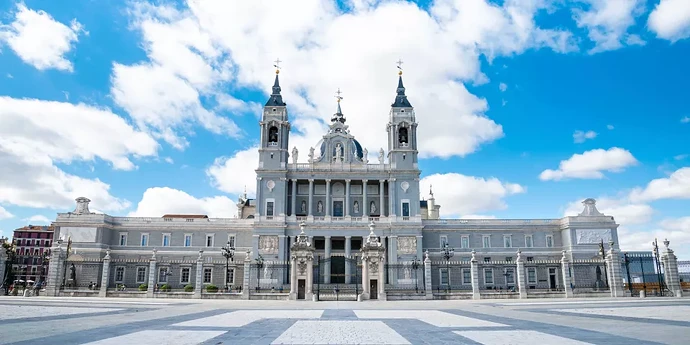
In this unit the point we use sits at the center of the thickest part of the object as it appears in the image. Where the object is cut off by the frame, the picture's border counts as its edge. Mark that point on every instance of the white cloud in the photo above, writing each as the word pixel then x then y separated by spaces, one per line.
pixel 591 164
pixel 676 230
pixel 671 20
pixel 441 50
pixel 624 211
pixel 159 201
pixel 36 135
pixel 169 160
pixel 38 219
pixel 503 87
pixel 608 21
pixel 461 195
pixel 610 127
pixel 234 174
pixel 40 40
pixel 477 216
pixel 582 136
pixel 676 186
pixel 5 214
pixel 685 119
pixel 681 157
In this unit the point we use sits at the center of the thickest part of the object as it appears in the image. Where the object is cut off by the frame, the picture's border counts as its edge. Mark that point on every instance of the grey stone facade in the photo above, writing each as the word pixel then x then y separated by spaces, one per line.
pixel 336 193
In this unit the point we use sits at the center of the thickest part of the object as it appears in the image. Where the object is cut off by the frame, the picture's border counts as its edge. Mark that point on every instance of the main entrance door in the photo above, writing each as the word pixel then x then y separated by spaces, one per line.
pixel 373 289
pixel 301 286
pixel 552 278
pixel 337 208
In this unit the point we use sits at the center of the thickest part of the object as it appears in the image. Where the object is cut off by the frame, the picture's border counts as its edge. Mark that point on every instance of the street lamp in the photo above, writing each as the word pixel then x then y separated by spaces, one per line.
pixel 228 253
pixel 415 267
pixel 448 253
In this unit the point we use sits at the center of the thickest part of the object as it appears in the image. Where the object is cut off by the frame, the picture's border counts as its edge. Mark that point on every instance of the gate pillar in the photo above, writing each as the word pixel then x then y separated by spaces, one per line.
pixel 373 260
pixel 671 277
pixel 567 281
pixel 301 265
pixel 613 264
pixel 521 281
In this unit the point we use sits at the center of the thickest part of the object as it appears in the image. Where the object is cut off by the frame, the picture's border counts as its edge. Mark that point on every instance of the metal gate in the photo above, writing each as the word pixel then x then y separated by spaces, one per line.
pixel 643 273
pixel 337 278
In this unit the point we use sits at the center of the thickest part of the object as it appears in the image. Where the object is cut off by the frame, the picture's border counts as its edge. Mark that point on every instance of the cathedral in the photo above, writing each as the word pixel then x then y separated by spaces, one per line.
pixel 336 199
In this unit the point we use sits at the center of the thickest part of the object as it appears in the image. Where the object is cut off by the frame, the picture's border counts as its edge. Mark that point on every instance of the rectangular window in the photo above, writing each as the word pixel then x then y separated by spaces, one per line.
pixel 465 242
pixel 531 275
pixel 507 241
pixel 488 276
pixel 509 259
pixel 184 275
pixel 269 209
pixel 230 277
pixel 487 259
pixel 209 240
pixel 123 239
pixel 443 240
pixel 510 276
pixel 443 273
pixel 486 241
pixel 530 258
pixel 231 241
pixel 166 240
pixel 207 275
pixel 141 275
pixel 187 240
pixel 549 241
pixel 163 274
pixel 529 242
pixel 119 274
pixel 466 276
pixel 406 209
pixel 144 240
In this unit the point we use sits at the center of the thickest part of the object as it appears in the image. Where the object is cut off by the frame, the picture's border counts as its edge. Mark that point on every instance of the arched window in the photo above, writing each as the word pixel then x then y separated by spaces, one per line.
pixel 273 135
pixel 402 135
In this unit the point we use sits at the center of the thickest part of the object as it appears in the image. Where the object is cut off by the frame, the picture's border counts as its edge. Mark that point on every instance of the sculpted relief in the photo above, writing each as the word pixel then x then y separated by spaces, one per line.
pixel 407 245
pixel 593 236
pixel 268 244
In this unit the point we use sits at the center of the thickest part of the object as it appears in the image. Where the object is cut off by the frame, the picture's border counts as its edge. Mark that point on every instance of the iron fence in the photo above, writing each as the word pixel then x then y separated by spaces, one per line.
pixel 269 277
pixel 337 279
pixel 405 277
pixel 451 276
pixel 589 275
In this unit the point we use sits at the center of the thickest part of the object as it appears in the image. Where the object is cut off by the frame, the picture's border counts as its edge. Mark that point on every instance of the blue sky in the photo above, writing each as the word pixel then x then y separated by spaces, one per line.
pixel 525 108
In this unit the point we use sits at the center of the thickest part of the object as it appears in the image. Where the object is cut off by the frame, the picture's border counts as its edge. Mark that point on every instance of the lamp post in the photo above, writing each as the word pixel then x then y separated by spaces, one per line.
pixel 228 253
pixel 655 246
pixel 448 253
pixel 415 267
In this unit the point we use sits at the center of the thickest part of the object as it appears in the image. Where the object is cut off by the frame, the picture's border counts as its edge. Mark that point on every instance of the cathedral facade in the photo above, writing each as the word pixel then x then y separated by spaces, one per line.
pixel 335 196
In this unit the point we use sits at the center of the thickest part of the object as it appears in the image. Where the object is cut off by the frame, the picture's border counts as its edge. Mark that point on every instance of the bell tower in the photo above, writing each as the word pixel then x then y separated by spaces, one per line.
pixel 402 130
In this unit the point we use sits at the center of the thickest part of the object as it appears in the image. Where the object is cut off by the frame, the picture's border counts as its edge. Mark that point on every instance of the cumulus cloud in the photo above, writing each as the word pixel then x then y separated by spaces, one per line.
pixel 625 211
pixel 670 20
pixel 38 219
pixel 582 136
pixel 5 214
pixel 676 230
pixel 591 164
pixel 466 196
pixel 607 22
pixel 40 40
pixel 159 201
pixel 676 186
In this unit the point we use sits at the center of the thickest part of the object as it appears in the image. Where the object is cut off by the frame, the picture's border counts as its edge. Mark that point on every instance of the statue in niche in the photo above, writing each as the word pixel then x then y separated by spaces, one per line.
pixel 365 156
pixel 372 208
pixel 311 155
pixel 338 152
pixel 319 207
pixel 295 154
pixel 355 207
pixel 381 156
pixel 267 272
pixel 72 272
pixel 304 206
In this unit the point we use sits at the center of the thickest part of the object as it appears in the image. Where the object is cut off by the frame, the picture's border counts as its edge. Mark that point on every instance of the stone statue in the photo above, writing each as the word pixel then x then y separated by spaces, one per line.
pixel 267 272
pixel 407 270
pixel 365 156
pixel 82 205
pixel 311 155
pixel 372 208
pixel 72 272
pixel 381 156
pixel 319 207
pixel 338 152
pixel 304 206
pixel 356 206
pixel 295 154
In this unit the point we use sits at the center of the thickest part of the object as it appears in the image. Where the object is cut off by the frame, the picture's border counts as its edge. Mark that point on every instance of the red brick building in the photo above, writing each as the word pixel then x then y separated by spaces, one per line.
pixel 32 243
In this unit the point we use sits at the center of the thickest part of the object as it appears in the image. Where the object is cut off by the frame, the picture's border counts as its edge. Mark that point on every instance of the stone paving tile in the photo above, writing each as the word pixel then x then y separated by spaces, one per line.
pixel 339 314
pixel 327 332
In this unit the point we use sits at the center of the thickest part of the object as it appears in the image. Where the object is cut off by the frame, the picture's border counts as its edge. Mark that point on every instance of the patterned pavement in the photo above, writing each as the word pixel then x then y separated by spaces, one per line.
pixel 128 321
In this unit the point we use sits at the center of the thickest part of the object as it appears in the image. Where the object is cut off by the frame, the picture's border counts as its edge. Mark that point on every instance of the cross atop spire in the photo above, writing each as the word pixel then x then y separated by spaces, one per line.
pixel 338 116
pixel 399 62
pixel 401 99
pixel 276 98
pixel 277 65
pixel 337 95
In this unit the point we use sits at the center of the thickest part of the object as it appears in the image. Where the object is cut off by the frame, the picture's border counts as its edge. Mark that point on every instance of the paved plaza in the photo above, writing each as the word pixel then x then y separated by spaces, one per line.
pixel 47 320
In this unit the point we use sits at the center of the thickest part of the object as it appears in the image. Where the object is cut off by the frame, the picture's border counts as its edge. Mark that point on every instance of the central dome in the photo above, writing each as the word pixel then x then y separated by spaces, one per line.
pixel 353 145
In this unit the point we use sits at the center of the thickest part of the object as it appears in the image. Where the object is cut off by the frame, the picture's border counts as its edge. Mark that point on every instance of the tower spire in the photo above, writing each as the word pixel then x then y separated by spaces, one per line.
pixel 401 99
pixel 276 98
pixel 338 116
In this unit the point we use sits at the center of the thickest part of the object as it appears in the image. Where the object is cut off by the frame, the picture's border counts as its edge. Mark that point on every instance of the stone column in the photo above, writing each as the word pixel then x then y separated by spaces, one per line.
pixel 365 206
pixel 474 272
pixel 105 276
pixel 613 265
pixel 328 199
pixel 382 282
pixel 327 264
pixel 246 275
pixel 391 198
pixel 310 214
pixel 347 198
pixel 198 285
pixel 521 279
pixel 348 255
pixel 152 275
pixel 55 270
pixel 567 279
pixel 671 277
pixel 293 278
pixel 393 259
pixel 294 197
pixel 427 277
pixel 365 280
pixel 381 199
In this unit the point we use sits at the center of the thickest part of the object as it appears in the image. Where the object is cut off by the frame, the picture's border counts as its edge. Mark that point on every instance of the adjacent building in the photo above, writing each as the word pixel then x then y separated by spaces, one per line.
pixel 33 243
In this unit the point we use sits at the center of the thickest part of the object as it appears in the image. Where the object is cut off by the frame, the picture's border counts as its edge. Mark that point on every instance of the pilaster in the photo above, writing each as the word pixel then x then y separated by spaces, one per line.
pixel 365 205
pixel 152 275
pixel 381 198
pixel 348 255
pixel 474 272
pixel 347 197
pixel 293 209
pixel 105 276
pixel 245 276
pixel 521 279
pixel 310 207
pixel 567 279
pixel 427 276
pixel 327 209
pixel 327 264
pixel 198 285
pixel 671 277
